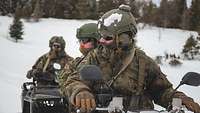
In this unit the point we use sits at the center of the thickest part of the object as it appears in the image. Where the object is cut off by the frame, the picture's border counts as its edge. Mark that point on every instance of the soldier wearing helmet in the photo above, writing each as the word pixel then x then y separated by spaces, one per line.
pixel 125 68
pixel 48 65
pixel 88 38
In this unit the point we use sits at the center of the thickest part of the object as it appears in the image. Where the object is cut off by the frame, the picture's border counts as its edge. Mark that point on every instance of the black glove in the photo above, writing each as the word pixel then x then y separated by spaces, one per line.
pixel 29 74
pixel 84 101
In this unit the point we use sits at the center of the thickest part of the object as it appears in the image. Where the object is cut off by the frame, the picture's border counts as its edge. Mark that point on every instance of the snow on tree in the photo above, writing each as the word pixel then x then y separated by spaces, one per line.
pixel 191 48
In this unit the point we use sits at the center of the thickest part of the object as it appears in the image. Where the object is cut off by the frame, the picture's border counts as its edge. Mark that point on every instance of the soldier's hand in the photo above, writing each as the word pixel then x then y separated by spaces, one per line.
pixel 36 72
pixel 85 101
pixel 191 105
pixel 29 74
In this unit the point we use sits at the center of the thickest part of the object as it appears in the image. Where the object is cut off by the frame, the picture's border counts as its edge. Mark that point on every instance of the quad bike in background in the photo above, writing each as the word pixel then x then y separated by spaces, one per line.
pixel 37 98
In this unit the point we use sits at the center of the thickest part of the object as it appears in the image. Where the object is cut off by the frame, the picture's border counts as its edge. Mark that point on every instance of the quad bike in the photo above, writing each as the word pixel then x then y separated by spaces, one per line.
pixel 37 98
pixel 106 101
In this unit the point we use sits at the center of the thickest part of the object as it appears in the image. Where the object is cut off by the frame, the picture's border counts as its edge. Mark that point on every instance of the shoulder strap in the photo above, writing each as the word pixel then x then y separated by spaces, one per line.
pixel 141 76
pixel 46 64
pixel 125 63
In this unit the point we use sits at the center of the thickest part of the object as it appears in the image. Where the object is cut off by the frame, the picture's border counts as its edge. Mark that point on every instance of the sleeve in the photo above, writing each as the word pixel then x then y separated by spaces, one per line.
pixel 158 85
pixel 71 85
pixel 38 66
pixel 160 88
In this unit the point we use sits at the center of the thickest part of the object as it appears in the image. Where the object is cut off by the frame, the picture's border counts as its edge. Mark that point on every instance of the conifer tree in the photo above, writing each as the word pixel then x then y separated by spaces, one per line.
pixel 163 13
pixel 179 8
pixel 37 13
pixel 16 29
pixel 149 11
pixel 190 44
pixel 195 15
pixel 104 6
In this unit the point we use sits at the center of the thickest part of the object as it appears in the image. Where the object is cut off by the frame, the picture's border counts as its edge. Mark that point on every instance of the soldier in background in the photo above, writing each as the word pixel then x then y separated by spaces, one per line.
pixel 45 68
pixel 125 68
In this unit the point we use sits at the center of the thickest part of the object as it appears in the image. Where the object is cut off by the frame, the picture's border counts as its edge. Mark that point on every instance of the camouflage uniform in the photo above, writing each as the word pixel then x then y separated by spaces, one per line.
pixel 44 65
pixel 128 70
pixel 85 32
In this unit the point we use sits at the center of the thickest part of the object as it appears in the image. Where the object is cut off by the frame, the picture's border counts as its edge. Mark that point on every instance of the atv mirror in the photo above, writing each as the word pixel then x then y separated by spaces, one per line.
pixel 191 78
pixel 90 73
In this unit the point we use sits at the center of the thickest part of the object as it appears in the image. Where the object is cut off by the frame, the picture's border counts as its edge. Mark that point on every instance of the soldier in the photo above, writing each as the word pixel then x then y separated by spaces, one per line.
pixel 45 68
pixel 125 68
pixel 88 37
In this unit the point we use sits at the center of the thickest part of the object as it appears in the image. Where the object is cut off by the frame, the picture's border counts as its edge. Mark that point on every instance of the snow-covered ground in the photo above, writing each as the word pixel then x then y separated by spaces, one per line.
pixel 17 58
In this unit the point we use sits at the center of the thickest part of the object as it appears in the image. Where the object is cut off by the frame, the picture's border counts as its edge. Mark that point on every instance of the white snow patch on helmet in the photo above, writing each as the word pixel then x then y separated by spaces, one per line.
pixel 114 18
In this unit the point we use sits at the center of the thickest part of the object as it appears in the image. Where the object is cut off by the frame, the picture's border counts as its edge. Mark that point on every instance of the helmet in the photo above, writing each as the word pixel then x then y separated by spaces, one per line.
pixel 88 31
pixel 117 21
pixel 57 39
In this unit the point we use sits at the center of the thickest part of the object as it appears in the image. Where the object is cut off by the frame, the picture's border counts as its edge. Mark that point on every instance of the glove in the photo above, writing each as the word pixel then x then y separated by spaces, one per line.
pixel 188 102
pixel 84 101
pixel 29 74
pixel 191 105
pixel 36 72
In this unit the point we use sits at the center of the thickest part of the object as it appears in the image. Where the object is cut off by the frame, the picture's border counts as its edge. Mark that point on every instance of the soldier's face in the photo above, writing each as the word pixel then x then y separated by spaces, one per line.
pixel 124 41
pixel 86 43
pixel 107 41
pixel 56 47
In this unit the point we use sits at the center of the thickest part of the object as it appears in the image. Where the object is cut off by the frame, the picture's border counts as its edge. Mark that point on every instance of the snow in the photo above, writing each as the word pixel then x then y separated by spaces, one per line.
pixel 17 58
pixel 157 2
pixel 115 17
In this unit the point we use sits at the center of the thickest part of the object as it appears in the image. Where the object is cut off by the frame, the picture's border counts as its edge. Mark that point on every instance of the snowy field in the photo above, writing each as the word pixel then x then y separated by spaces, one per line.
pixel 17 58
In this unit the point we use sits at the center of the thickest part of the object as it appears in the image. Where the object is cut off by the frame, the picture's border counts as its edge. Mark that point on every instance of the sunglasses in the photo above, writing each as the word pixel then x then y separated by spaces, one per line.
pixel 107 38
pixel 57 45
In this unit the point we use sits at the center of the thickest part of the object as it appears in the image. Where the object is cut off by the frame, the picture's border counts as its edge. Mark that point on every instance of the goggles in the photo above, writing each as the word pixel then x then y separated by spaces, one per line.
pixel 106 40
pixel 85 40
pixel 56 45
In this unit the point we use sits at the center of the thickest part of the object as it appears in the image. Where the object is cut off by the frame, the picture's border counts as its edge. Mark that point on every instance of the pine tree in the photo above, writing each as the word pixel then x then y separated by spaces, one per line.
pixel 195 15
pixel 104 6
pixel 163 13
pixel 190 44
pixel 16 29
pixel 37 13
pixel 185 19
pixel 149 11
pixel 135 6
pixel 27 10
pixel 4 7
pixel 179 7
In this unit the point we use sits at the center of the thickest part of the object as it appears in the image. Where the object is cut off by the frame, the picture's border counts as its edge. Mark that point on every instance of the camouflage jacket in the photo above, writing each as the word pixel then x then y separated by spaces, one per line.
pixel 44 66
pixel 67 70
pixel 142 77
